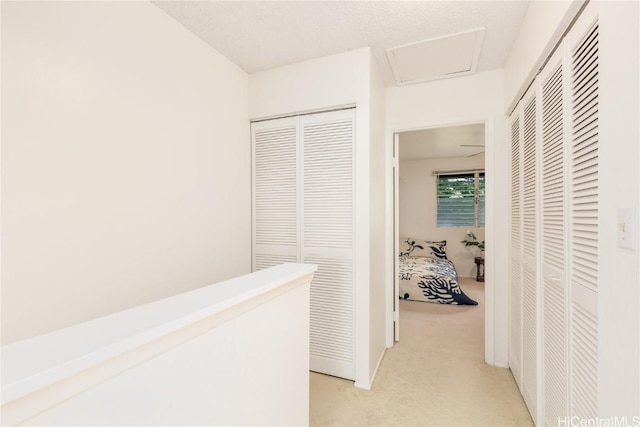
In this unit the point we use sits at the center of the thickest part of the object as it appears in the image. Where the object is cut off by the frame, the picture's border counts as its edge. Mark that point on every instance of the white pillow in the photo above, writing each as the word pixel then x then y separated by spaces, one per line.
pixel 411 247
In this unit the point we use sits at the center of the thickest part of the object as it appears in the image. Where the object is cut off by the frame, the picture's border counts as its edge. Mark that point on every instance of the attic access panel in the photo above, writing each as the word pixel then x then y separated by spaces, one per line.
pixel 439 58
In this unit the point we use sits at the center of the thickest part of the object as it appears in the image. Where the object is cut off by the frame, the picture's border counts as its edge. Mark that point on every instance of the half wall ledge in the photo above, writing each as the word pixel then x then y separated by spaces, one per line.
pixel 199 357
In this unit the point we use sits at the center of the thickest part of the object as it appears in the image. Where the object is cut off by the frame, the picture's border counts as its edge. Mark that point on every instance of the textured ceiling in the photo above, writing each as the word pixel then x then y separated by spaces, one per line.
pixel 259 35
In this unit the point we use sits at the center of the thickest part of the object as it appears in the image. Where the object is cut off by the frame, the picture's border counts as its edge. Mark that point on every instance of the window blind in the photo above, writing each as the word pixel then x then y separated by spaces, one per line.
pixel 461 200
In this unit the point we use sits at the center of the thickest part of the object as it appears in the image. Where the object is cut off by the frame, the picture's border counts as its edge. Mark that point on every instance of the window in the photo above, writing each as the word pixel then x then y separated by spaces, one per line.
pixel 461 200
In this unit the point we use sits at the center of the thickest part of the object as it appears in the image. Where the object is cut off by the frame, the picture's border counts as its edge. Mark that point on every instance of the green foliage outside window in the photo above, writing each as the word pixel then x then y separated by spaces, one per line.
pixel 461 200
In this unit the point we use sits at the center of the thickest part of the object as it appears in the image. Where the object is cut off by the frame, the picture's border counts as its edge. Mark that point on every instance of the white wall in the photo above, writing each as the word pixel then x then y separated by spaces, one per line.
pixel 378 294
pixel 541 29
pixel 234 353
pixel 321 83
pixel 418 208
pixel 315 84
pixel 469 99
pixel 125 162
pixel 619 181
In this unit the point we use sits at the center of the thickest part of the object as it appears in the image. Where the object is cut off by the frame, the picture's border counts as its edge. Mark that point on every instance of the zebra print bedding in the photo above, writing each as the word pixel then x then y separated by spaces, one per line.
pixel 431 280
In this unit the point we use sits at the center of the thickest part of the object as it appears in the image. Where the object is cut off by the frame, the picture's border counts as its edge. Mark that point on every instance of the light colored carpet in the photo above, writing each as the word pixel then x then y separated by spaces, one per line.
pixel 434 376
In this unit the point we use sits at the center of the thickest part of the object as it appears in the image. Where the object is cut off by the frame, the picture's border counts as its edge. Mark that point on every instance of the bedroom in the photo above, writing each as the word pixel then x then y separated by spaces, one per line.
pixel 441 197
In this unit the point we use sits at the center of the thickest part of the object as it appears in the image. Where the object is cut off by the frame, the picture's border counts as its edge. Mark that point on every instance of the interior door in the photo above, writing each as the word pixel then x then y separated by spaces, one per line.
pixel 554 247
pixel 303 211
pixel 515 253
pixel 530 247
pixel 328 234
pixel 584 219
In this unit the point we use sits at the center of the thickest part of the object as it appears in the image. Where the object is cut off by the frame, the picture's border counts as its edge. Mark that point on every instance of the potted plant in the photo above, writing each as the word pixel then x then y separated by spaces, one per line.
pixel 472 240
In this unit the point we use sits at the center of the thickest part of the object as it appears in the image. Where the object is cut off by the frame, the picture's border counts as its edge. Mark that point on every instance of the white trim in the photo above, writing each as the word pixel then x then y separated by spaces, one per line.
pixel 390 211
pixel 574 10
pixel 457 172
pixel 363 386
pixel 396 235
pixel 304 112
pixel 472 69
pixel 489 237
pixel 86 345
pixel 373 377
pixel 539 415
pixel 490 229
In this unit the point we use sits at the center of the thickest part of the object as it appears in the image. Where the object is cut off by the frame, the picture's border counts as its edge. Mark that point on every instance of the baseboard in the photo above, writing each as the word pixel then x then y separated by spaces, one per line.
pixel 375 373
pixel 362 386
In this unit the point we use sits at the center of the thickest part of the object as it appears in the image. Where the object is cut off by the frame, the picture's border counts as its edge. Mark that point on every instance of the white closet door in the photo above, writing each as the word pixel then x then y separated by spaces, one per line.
pixel 275 192
pixel 554 247
pixel 530 233
pixel 554 229
pixel 583 52
pixel 515 296
pixel 328 236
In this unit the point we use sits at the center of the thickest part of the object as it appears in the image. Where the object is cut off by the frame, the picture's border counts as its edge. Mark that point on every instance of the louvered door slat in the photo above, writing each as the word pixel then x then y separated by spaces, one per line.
pixel 529 178
pixel 554 285
pixel 263 261
pixel 515 304
pixel 555 350
pixel 584 375
pixel 530 334
pixel 328 195
pixel 516 220
pixel 584 194
pixel 585 172
pixel 515 348
pixel 275 193
pixel 331 311
pixel 327 237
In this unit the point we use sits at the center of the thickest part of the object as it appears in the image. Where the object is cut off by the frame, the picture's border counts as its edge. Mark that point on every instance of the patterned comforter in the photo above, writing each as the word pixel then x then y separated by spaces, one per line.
pixel 431 280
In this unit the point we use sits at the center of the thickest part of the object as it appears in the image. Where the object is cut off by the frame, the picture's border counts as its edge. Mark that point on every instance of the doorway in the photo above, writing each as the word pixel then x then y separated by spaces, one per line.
pixel 420 157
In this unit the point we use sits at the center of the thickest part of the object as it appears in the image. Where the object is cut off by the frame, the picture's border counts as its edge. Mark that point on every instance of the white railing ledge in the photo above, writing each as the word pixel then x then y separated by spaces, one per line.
pixel 37 362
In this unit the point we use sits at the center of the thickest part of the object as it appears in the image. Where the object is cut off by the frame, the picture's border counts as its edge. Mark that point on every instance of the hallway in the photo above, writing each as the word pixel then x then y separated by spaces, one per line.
pixel 435 375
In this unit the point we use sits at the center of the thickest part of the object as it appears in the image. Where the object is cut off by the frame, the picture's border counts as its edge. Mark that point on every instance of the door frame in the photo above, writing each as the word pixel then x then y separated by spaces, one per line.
pixel 490 228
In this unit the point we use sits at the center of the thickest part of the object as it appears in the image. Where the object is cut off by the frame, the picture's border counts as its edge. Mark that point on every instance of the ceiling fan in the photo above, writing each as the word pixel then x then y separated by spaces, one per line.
pixel 474 145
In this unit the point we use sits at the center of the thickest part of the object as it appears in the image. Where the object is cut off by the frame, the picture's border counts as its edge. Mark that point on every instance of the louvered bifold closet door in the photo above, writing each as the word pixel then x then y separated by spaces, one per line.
pixel 275 192
pixel 582 43
pixel 554 249
pixel 515 261
pixel 328 236
pixel 529 251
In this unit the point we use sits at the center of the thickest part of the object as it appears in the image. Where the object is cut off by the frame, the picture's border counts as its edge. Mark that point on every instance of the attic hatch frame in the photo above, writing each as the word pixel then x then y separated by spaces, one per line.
pixel 473 64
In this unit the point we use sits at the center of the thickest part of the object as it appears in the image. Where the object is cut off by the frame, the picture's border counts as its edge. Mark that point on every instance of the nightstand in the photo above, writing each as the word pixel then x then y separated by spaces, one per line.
pixel 480 264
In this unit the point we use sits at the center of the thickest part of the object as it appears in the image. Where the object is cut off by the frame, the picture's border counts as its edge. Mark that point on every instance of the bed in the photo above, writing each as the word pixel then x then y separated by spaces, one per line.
pixel 427 275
